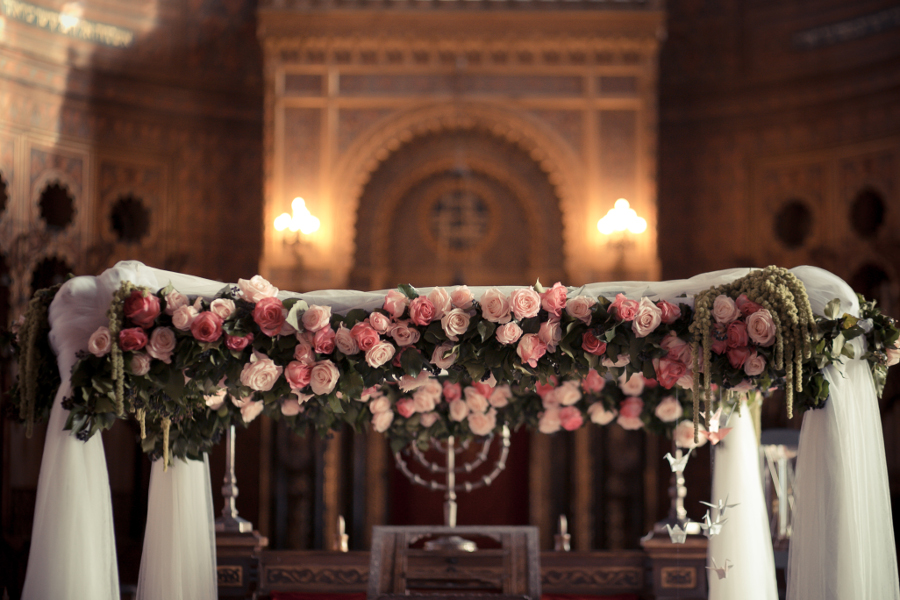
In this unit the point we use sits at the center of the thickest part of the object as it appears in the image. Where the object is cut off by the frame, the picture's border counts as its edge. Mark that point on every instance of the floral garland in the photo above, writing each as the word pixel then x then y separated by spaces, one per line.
pixel 188 367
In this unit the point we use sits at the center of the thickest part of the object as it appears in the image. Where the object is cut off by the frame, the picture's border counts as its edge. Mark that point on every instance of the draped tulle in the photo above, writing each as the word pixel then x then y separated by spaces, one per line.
pixel 745 541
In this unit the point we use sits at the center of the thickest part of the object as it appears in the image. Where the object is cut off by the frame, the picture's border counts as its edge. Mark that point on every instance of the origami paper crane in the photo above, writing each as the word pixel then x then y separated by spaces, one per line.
pixel 721 506
pixel 711 527
pixel 717 436
pixel 722 571
pixel 677 534
pixel 677 464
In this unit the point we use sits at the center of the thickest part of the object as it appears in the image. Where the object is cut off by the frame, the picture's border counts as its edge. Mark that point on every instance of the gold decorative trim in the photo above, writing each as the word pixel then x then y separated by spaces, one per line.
pixel 601 577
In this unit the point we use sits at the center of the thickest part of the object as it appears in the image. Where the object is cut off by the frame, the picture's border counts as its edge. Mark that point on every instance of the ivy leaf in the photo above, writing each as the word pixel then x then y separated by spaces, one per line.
pixel 294 314
pixel 408 290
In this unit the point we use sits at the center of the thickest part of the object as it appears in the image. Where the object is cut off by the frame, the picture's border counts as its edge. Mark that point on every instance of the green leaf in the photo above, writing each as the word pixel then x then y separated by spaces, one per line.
pixel 334 403
pixel 412 362
pixel 486 329
pixel 408 290
pixel 357 315
pixel 296 311
pixel 538 287
pixel 833 309
pixel 837 345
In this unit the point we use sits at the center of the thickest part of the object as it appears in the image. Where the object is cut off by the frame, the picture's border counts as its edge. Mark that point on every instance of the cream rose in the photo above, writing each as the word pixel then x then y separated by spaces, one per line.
pixel 500 396
pixel 380 322
pixel 324 377
pixel 215 401
pixel 140 364
pixel 462 298
pixel 379 354
pixel 509 333
pixel 344 341
pixel 669 409
pixel 600 415
pixel 161 344
pixel 423 401
pixel 525 303
pixel 893 356
pixel 404 335
pixel 568 393
pixel 621 361
pixel 455 323
pixel 174 301
pixel 379 404
pixel 256 289
pixel 184 317
pixel 684 435
pixel 761 327
pixel 441 301
pixel 223 307
pixel 428 419
pixel 290 407
pixel 580 308
pixel 251 410
pixel 260 373
pixel 634 386
pixel 316 317
pixel 647 319
pixel 437 357
pixel 549 421
pixel 754 365
pixel 458 410
pixel 483 423
pixel 475 400
pixel 550 333
pixel 495 306
pixel 725 310
pixel 382 420
pixel 100 342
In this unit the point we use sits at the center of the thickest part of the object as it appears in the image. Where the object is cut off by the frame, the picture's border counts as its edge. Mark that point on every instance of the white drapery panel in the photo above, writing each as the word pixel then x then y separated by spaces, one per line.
pixel 745 541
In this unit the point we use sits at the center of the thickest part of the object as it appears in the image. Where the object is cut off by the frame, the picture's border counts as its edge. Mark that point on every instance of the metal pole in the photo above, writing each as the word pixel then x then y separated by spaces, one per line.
pixel 450 497
pixel 230 522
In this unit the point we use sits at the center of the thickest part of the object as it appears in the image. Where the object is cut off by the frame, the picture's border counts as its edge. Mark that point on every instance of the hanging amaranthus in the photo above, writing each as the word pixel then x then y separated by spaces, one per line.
pixel 116 318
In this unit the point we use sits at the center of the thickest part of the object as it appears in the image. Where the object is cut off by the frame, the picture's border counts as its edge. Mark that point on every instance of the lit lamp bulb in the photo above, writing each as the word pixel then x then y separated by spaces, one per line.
pixel 302 220
pixel 621 218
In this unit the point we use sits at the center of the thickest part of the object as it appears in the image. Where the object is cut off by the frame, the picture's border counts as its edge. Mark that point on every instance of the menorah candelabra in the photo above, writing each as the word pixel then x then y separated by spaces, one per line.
pixel 450 485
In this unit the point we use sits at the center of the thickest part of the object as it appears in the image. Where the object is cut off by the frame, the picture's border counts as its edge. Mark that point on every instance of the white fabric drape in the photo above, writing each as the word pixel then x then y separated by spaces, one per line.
pixel 745 540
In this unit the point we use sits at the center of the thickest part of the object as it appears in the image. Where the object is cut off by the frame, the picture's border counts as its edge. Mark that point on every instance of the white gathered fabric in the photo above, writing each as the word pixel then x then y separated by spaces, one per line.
pixel 177 563
pixel 745 540
pixel 842 538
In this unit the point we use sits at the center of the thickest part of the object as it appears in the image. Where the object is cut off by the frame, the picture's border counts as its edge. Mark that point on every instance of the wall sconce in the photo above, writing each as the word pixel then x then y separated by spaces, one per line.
pixel 621 220
pixel 301 221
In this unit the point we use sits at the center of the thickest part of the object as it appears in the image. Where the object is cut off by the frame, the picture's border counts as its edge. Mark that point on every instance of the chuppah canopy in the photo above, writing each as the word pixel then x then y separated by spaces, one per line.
pixel 171 350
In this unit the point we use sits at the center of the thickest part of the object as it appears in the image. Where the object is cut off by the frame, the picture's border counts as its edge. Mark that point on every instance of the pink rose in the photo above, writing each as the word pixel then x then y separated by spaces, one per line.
pixel 382 421
pixel 323 377
pixel 423 401
pixel 669 371
pixel 345 341
pixel 684 435
pixel 549 399
pixel 174 301
pixel 100 342
pixel 452 391
pixel 754 365
pixel 252 410
pixel 483 423
pixel 485 387
pixel 744 386
pixel 630 411
pixel 304 353
pixel 462 298
pixel 260 373
pixel 549 421
pixel 475 400
pixel 591 345
pixel 580 308
pixel 568 393
pixel 738 356
pixel 404 335
pixel 140 364
pixel 207 327
pixel 669 409
pixel 324 340
pixel 141 309
pixel 669 312
pixel 455 323
pixel 395 303
pixel 530 349
pixel 500 397
pixel 365 335
pixel 495 306
pixel 297 374
pixel 161 344
pixel 599 415
pixel 131 339
pixel 222 307
pixel 238 343
pixel 509 333
pixel 268 315
pixel 316 317
pixel 625 309
pixel 290 407
pixel 428 419
pixel 406 407
pixel 458 410
pixel 442 357
pixel 719 336
pixel 550 333
pixel 440 299
pixel 379 354
pixel 761 327
pixel 421 311
pixel 746 306
pixel 256 289
pixel 677 348
pixel 379 404
pixel 724 310
pixel 184 316
pixel 593 383
pixel 893 356
pixel 543 389
pixel 215 401
pixel 554 299
pixel 736 334
pixel 379 322
pixel 647 318
pixel 570 418
pixel 525 303
pixel 632 386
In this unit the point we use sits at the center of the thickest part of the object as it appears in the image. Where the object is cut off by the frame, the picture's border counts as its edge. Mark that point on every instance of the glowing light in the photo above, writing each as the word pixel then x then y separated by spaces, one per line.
pixel 301 220
pixel 621 218
pixel 70 15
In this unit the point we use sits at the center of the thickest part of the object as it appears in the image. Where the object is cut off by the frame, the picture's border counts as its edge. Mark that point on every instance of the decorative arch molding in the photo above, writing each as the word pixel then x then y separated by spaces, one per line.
pixel 564 168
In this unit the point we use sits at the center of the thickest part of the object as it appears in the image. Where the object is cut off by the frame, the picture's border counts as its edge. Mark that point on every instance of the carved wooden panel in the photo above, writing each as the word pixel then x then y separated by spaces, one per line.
pixel 353 122
pixel 302 153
